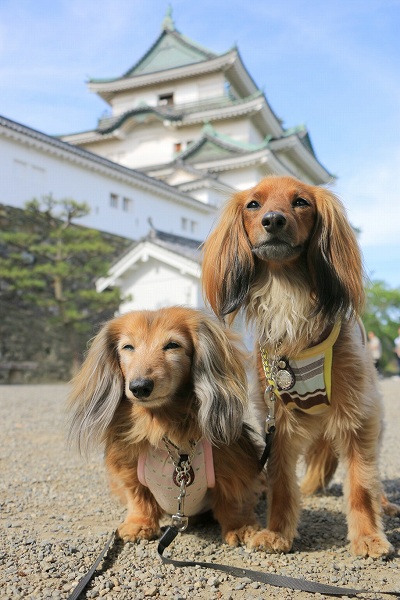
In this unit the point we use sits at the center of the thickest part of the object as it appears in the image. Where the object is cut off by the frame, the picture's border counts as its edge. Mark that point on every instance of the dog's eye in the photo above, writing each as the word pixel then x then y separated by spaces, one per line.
pixel 300 202
pixel 171 346
pixel 128 347
pixel 253 204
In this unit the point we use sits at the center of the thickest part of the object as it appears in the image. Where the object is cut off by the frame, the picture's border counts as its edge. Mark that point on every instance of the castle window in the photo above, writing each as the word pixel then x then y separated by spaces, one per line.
pixel 166 99
pixel 114 200
pixel 127 204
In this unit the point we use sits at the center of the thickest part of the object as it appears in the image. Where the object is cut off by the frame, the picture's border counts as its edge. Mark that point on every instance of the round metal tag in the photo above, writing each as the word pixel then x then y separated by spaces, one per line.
pixel 285 378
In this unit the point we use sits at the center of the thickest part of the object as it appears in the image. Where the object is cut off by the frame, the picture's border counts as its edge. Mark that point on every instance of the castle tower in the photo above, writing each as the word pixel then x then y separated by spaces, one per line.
pixel 197 121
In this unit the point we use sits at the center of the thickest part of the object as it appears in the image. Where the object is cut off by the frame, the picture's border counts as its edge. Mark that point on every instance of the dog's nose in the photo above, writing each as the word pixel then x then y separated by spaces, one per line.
pixel 141 388
pixel 273 221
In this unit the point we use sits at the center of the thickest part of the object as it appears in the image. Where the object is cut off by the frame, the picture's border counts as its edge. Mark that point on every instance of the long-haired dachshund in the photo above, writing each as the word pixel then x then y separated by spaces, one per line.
pixel 285 252
pixel 162 387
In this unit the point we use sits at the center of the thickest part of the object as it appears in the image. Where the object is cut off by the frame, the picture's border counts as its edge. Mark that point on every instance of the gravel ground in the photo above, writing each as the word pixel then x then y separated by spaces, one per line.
pixel 57 513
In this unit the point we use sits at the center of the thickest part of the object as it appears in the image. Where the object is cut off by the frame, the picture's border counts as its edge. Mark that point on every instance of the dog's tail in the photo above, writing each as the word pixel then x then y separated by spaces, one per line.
pixel 321 463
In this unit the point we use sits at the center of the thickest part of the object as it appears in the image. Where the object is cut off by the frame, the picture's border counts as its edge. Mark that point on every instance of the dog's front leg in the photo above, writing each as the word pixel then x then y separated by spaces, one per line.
pixel 237 520
pixel 283 498
pixel 142 519
pixel 238 487
pixel 143 514
pixel 363 495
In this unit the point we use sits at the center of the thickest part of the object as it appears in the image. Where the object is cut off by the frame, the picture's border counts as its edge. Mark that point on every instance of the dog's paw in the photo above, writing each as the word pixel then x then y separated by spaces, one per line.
pixel 243 535
pixel 372 545
pixel 390 509
pixel 270 541
pixel 132 532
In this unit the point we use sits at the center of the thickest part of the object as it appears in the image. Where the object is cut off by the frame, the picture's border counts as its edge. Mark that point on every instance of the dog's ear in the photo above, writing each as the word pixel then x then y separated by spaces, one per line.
pixel 220 382
pixel 96 392
pixel 334 260
pixel 228 263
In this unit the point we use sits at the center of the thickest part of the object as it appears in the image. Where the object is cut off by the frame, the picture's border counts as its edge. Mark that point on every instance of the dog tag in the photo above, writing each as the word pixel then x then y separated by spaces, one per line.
pixel 285 378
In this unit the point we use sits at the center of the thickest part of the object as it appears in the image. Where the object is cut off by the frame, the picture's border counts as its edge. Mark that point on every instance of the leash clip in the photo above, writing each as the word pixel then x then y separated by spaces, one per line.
pixel 270 399
pixel 179 519
pixel 180 522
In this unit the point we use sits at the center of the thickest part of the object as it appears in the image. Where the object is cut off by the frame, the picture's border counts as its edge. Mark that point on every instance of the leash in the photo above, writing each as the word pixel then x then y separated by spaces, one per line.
pixel 281 581
pixel 179 523
pixel 86 579
pixel 272 579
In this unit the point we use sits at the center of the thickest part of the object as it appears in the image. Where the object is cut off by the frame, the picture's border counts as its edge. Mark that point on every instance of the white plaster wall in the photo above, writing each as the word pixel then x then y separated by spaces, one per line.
pixel 27 172
pixel 293 167
pixel 153 285
pixel 243 178
pixel 211 86
pixel 189 90
pixel 240 129
pixel 209 195
pixel 141 145
pixel 144 145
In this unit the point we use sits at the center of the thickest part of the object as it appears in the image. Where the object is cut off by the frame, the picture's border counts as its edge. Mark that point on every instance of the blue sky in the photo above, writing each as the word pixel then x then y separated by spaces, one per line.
pixel 333 66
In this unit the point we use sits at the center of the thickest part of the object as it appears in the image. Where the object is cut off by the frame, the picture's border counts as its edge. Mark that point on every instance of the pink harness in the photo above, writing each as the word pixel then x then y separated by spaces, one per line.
pixel 156 471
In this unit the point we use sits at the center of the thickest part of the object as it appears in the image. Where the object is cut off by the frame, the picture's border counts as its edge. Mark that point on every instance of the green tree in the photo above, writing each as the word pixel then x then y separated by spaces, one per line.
pixel 382 316
pixel 49 267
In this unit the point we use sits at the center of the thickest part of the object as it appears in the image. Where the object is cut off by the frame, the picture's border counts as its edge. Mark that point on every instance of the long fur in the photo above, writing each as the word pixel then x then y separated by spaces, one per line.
pixel 285 252
pixel 199 390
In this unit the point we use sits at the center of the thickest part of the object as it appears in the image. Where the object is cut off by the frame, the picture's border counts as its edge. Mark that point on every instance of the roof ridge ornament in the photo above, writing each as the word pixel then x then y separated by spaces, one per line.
pixel 168 22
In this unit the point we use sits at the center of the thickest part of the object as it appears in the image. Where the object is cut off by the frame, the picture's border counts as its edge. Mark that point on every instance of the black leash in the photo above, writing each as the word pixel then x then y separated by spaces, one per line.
pixel 269 438
pixel 86 579
pixel 282 581
pixel 273 579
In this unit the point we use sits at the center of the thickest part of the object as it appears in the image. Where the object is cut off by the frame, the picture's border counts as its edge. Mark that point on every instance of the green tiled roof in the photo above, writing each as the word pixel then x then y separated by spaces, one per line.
pixel 302 133
pixel 171 112
pixel 170 50
pixel 209 150
pixel 213 145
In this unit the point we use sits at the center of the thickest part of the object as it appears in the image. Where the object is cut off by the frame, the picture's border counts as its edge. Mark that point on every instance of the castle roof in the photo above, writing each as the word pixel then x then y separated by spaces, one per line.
pixel 213 152
pixel 179 252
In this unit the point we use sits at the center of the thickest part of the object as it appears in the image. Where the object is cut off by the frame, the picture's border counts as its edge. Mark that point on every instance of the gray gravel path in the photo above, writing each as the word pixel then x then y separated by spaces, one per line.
pixel 56 514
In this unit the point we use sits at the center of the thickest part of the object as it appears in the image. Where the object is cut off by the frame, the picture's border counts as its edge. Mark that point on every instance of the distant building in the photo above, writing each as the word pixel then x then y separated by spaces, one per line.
pixel 196 120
